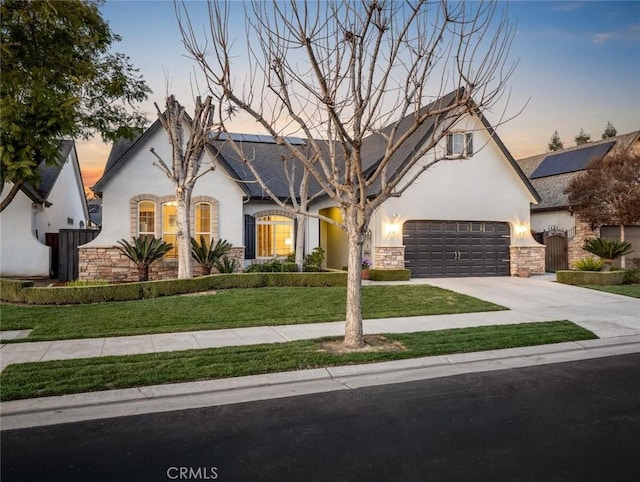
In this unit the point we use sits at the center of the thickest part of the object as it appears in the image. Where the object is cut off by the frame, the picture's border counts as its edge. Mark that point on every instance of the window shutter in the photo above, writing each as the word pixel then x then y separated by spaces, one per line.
pixel 469 136
pixel 249 237
pixel 449 144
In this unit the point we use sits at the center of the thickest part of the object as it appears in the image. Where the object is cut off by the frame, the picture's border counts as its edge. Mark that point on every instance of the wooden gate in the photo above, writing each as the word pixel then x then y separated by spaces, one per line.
pixel 557 252
pixel 68 255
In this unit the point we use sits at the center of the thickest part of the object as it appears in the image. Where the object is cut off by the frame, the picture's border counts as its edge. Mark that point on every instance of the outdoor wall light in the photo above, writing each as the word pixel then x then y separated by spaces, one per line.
pixel 521 229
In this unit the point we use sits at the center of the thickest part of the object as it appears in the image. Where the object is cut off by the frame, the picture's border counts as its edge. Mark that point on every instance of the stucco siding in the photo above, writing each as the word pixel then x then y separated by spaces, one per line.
pixel 21 254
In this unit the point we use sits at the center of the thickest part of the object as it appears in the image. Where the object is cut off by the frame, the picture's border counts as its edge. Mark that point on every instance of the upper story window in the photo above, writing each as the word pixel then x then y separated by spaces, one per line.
pixel 203 222
pixel 460 144
pixel 146 219
pixel 274 236
pixel 170 227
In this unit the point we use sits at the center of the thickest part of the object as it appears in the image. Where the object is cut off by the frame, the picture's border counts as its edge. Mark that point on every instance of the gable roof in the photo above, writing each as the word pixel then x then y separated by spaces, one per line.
pixel 268 156
pixel 552 184
pixel 48 174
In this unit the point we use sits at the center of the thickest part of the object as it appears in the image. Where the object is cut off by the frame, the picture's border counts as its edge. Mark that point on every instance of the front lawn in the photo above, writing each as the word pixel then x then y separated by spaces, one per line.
pixel 232 308
pixel 626 290
pixel 40 379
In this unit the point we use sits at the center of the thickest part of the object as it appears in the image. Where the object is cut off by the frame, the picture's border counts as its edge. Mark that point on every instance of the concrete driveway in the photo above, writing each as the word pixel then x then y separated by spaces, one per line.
pixel 540 297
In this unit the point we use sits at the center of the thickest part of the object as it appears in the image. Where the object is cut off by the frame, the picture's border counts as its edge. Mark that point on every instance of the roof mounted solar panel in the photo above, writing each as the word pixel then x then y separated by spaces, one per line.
pixel 255 138
pixel 571 161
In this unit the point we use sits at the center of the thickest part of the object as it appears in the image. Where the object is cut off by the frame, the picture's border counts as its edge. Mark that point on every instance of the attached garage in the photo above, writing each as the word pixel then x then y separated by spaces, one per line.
pixel 456 248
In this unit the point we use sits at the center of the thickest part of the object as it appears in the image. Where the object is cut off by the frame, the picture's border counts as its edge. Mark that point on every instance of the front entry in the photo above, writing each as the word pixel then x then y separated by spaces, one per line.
pixel 456 248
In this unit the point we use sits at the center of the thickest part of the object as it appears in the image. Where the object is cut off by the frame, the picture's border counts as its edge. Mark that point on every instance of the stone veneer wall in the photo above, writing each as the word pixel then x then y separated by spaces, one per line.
pixel 389 257
pixel 583 232
pixel 110 264
pixel 532 257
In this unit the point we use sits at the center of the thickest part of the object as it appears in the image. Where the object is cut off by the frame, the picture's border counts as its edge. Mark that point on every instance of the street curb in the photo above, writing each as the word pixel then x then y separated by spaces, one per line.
pixel 169 397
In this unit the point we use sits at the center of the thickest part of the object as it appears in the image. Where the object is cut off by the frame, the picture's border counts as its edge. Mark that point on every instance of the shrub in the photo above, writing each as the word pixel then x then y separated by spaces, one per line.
pixel 88 282
pixel 607 249
pixel 315 258
pixel 273 266
pixel 143 252
pixel 590 263
pixel 208 255
pixel 586 278
pixel 226 264
pixel 289 267
pixel 24 292
pixel 389 274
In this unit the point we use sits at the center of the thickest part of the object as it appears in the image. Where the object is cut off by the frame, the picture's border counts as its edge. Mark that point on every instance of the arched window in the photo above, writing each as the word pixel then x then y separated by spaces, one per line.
pixel 170 227
pixel 203 222
pixel 274 236
pixel 146 219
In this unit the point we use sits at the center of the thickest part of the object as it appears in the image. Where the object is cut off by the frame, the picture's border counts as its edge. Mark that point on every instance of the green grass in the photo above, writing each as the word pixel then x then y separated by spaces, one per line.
pixel 626 290
pixel 41 379
pixel 231 308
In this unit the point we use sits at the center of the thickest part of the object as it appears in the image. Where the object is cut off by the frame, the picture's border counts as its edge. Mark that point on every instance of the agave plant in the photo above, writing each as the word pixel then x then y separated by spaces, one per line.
pixel 607 249
pixel 143 252
pixel 206 255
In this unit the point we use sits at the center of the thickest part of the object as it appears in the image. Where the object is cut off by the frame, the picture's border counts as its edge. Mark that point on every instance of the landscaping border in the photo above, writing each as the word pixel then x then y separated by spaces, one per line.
pixel 593 278
pixel 18 291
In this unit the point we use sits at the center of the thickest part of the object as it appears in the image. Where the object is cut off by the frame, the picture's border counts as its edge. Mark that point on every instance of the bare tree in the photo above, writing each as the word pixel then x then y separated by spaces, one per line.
pixel 347 75
pixel 186 160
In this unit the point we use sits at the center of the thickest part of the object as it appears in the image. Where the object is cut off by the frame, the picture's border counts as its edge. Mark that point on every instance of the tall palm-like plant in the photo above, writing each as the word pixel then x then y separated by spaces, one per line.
pixel 607 249
pixel 143 252
pixel 207 255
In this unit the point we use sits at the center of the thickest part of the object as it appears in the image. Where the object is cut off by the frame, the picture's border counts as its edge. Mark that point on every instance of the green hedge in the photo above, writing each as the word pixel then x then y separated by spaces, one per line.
pixel 594 278
pixel 15 291
pixel 389 274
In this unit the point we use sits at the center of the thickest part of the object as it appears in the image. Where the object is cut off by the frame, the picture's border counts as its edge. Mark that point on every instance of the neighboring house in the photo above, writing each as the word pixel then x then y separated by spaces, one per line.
pixel 30 224
pixel 552 219
pixel 462 217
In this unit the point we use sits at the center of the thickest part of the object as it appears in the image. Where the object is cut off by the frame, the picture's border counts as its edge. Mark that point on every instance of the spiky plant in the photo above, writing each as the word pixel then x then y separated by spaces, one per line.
pixel 226 264
pixel 607 249
pixel 206 255
pixel 143 252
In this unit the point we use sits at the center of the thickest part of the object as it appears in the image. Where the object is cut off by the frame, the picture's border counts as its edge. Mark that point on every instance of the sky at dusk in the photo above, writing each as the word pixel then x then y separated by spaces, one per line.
pixel 579 67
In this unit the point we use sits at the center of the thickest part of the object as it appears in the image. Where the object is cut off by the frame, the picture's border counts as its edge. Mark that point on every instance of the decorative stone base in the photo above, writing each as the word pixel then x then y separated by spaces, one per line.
pixel 389 257
pixel 523 257
pixel 108 263
pixel 583 232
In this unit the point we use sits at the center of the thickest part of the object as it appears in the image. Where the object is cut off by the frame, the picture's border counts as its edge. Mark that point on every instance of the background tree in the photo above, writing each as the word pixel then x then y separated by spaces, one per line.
pixel 608 191
pixel 609 131
pixel 337 72
pixel 59 80
pixel 582 138
pixel 186 159
pixel 555 143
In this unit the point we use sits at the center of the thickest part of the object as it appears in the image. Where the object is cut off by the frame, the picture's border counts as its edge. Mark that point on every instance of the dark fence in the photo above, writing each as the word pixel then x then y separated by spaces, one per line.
pixel 68 255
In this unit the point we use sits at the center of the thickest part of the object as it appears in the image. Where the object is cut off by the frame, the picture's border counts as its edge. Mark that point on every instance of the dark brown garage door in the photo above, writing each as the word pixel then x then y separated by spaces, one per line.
pixel 456 248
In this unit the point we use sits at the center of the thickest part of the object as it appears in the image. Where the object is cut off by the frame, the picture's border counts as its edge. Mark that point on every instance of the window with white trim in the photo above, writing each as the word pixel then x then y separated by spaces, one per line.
pixel 203 222
pixel 170 227
pixel 146 219
pixel 274 236
pixel 460 144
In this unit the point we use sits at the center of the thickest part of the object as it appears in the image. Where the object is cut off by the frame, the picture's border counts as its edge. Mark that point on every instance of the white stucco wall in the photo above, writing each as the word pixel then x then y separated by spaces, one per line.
pixel 139 176
pixel 544 221
pixel 484 187
pixel 67 202
pixel 21 254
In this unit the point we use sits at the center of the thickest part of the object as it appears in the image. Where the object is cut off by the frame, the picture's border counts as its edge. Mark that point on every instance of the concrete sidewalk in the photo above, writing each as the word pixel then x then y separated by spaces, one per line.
pixel 615 319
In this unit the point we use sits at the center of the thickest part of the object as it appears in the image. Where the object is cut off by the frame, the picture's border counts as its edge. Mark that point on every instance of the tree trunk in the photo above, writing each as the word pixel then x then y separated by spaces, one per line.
pixel 143 272
pixel 300 234
pixel 353 333
pixel 183 233
pixel 623 259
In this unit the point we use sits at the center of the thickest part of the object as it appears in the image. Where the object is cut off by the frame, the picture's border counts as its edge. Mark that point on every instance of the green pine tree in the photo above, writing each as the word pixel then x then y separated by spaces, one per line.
pixel 555 144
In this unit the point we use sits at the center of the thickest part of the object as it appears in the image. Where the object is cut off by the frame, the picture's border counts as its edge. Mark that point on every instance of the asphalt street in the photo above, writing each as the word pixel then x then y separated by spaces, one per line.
pixel 569 421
